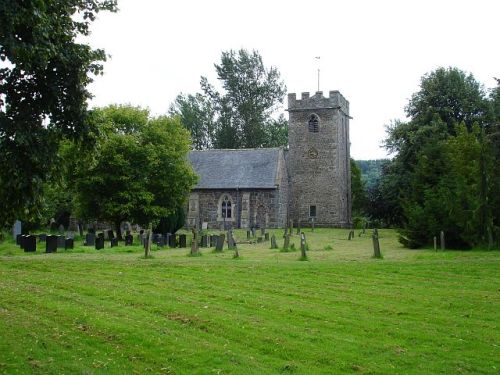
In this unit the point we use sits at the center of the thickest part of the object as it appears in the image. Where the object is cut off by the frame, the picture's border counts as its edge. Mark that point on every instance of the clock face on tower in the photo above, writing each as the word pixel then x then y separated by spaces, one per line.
pixel 312 153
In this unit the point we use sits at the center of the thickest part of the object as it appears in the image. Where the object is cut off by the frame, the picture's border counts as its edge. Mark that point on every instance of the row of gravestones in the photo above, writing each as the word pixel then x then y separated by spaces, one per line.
pixel 28 242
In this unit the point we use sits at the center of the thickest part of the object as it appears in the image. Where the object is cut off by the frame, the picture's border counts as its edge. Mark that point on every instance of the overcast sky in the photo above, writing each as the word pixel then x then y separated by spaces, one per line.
pixel 373 52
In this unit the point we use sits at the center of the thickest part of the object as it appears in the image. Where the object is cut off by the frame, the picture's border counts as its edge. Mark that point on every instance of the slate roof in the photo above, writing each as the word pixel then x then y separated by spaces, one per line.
pixel 231 169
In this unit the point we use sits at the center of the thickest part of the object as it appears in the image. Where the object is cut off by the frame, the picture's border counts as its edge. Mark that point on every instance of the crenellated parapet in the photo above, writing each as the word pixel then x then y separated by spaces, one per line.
pixel 335 100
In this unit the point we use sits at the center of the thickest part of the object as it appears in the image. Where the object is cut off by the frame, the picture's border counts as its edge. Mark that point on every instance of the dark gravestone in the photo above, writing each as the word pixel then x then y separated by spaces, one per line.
pixel 204 241
pixel 219 246
pixel 182 240
pixel 99 243
pixel 89 239
pixel 21 240
pixel 266 236
pixel 129 240
pixel 114 242
pixel 172 240
pixel 29 243
pixel 61 242
pixel 274 245
pixel 51 244
pixel 42 237
pixel 70 243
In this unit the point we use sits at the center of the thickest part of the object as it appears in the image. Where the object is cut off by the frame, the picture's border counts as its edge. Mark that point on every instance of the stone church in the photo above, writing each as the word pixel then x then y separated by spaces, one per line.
pixel 311 180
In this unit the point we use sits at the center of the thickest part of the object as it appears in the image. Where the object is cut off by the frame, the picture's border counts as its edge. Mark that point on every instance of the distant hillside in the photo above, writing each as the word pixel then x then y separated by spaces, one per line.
pixel 371 170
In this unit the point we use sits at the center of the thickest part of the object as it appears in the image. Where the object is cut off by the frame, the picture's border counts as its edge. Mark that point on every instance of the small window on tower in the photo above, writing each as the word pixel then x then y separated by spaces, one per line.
pixel 312 211
pixel 314 123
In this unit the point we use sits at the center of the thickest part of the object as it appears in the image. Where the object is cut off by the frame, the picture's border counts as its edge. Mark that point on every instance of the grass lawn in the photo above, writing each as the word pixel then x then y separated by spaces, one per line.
pixel 111 311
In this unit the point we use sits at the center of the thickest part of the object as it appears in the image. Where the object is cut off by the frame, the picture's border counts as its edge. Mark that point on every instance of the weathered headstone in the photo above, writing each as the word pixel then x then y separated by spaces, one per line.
pixel 70 243
pixel 442 240
pixel 204 241
pixel 89 239
pixel 61 242
pixel 129 240
pixel 204 225
pixel 51 244
pixel 17 229
pixel 29 243
pixel 376 245
pixel 274 245
pixel 303 245
pixel 194 242
pixel 435 244
pixel 182 240
pixel 220 242
pixel 99 243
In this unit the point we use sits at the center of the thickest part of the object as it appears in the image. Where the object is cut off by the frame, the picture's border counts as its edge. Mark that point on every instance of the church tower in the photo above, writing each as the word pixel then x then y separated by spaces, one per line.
pixel 319 159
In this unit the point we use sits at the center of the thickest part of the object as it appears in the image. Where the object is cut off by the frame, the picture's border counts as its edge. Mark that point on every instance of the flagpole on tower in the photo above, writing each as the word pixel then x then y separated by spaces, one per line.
pixel 317 58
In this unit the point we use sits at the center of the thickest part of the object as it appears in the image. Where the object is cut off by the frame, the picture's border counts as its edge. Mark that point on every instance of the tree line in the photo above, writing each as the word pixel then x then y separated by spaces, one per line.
pixel 444 174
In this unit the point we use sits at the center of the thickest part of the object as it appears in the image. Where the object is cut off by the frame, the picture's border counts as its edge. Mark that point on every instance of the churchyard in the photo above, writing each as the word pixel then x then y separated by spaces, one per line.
pixel 83 310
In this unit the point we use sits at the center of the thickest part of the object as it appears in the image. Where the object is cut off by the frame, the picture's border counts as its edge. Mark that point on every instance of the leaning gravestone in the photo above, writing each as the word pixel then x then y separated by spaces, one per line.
pixel 274 245
pixel 51 244
pixel 17 229
pixel 89 239
pixel 99 243
pixel 29 244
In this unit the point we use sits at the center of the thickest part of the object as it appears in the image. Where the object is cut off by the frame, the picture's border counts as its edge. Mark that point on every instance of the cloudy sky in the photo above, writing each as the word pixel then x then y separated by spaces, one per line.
pixel 373 52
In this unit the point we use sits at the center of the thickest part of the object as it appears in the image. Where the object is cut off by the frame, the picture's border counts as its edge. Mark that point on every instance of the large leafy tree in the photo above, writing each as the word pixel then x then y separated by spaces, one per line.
pixel 242 113
pixel 442 166
pixel 139 171
pixel 43 77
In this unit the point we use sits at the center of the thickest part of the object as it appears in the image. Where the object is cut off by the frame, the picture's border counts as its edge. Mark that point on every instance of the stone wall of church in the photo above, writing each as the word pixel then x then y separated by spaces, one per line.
pixel 249 208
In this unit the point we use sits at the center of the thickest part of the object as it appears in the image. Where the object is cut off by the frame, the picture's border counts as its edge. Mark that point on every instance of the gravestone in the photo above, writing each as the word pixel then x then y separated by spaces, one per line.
pixel 99 243
pixel 113 242
pixel 70 243
pixel 303 245
pixel 213 240
pixel 376 245
pixel 17 229
pixel 51 244
pixel 167 239
pixel 312 224
pixel 204 225
pixel 89 239
pixel 231 243
pixel 182 240
pixel 42 237
pixel 204 241
pixel 111 234
pixel 274 245
pixel 29 243
pixel 266 236
pixel 194 242
pixel 129 240
pixel 441 235
pixel 61 229
pixel 219 246
pixel 61 242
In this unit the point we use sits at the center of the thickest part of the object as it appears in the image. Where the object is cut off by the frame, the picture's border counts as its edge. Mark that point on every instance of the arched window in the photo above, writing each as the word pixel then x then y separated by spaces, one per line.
pixel 226 207
pixel 314 123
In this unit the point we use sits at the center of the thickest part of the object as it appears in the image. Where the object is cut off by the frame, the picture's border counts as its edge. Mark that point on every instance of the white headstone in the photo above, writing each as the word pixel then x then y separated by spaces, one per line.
pixel 17 229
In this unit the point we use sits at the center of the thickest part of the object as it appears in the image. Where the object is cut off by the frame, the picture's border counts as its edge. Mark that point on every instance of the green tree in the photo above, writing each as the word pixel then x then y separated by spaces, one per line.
pixel 140 175
pixel 43 78
pixel 251 94
pixel 357 190
pixel 197 116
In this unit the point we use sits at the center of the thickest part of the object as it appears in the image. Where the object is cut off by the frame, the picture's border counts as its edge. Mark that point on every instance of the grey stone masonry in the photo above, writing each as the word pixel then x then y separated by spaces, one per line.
pixel 318 160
